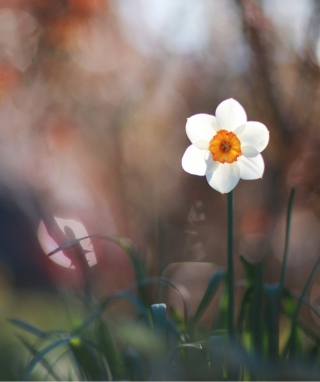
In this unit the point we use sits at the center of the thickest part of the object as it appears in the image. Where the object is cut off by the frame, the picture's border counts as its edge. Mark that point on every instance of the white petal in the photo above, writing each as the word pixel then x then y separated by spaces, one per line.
pixel 230 115
pixel 194 161
pixel 202 145
pixel 239 129
pixel 255 134
pixel 211 165
pixel 225 177
pixel 201 127
pixel 249 151
pixel 251 168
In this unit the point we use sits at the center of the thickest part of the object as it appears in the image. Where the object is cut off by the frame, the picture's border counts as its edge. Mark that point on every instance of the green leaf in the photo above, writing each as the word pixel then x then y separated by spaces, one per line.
pixel 243 308
pixel 39 357
pixel 250 270
pixel 256 308
pixel 216 357
pixel 88 360
pixel 220 319
pixel 286 246
pixel 292 339
pixel 135 366
pixel 44 362
pixel 27 327
pixel 159 318
pixel 124 243
pixel 272 318
pixel 108 302
pixel 110 349
pixel 208 295
pixel 173 352
pixel 136 302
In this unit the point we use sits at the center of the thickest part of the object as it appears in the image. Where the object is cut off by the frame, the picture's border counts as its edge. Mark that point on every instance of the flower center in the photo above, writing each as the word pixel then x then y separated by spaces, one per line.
pixel 225 147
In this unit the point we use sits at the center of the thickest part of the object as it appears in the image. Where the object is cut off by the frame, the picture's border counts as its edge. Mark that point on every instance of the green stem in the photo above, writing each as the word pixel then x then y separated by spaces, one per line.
pixel 230 247
pixel 286 246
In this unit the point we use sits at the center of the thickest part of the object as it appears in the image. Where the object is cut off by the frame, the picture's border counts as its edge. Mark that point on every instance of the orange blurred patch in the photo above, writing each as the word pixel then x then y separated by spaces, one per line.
pixel 62 31
pixel 61 134
pixel 256 221
pixel 8 79
pixel 85 7
pixel 59 18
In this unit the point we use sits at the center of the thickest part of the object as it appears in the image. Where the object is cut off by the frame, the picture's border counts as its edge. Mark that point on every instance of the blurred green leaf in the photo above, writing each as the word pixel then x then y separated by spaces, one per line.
pixel 208 295
pixel 135 366
pixel 271 292
pixel 220 319
pixel 287 237
pixel 250 270
pixel 110 349
pixel 159 319
pixel 291 348
pixel 27 327
pixel 88 360
pixel 138 263
pixel 108 302
pixel 256 308
pixel 216 357
pixel 43 361
pixel 175 351
pixel 38 358
pixel 247 297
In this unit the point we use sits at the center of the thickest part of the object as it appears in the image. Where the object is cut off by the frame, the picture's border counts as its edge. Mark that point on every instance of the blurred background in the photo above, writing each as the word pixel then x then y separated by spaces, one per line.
pixel 94 97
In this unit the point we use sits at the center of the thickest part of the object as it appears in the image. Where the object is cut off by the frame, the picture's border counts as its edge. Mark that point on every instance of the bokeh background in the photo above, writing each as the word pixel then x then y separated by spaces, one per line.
pixel 94 97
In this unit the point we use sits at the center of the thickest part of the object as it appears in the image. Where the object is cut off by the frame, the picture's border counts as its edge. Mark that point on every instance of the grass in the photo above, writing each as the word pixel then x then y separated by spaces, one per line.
pixel 263 340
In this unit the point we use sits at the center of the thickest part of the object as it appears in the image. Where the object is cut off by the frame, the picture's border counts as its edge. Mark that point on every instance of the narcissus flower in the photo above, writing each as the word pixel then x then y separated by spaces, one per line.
pixel 225 148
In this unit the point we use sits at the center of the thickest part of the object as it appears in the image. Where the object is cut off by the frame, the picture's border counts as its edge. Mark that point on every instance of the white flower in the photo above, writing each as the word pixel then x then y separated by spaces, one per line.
pixel 226 147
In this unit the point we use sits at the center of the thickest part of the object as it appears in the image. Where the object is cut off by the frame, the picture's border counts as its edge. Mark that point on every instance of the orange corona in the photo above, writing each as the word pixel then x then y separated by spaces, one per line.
pixel 225 147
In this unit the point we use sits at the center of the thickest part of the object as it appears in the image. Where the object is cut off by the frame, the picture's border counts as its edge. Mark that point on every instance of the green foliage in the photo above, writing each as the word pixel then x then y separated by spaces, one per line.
pixel 159 342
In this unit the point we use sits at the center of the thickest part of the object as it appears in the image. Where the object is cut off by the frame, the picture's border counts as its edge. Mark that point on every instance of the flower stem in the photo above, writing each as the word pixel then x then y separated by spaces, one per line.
pixel 230 248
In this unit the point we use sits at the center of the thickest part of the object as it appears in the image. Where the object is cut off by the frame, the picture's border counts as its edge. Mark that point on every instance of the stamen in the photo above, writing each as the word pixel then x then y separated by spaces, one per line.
pixel 225 147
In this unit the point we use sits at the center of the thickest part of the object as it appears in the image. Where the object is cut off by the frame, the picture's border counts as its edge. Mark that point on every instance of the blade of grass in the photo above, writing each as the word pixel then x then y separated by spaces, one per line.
pixel 256 309
pixel 306 301
pixel 87 360
pixel 220 319
pixel 110 349
pixel 208 295
pixel 108 302
pixel 243 307
pixel 124 243
pixel 134 366
pixel 42 354
pixel 216 357
pixel 57 360
pixel 272 318
pixel 114 297
pixel 27 327
pixel 313 336
pixel 297 310
pixel 177 349
pixel 250 270
pixel 159 318
pixel 286 245
pixel 44 362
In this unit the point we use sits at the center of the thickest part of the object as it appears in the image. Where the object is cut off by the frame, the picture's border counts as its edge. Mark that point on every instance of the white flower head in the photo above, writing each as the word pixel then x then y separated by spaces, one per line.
pixel 226 147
